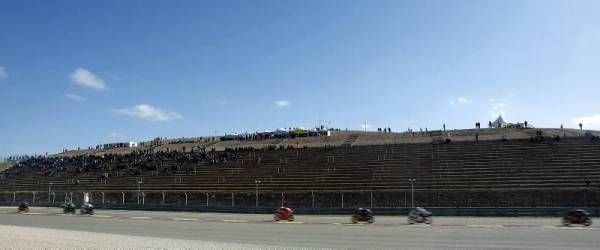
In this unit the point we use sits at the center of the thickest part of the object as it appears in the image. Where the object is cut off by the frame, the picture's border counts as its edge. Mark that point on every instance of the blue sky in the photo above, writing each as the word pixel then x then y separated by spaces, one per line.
pixel 79 73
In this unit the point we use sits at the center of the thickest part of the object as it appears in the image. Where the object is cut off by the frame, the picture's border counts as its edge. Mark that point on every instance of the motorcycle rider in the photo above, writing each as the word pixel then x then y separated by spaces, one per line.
pixel 87 208
pixel 363 212
pixel 284 213
pixel 285 209
pixel 418 214
pixel 23 207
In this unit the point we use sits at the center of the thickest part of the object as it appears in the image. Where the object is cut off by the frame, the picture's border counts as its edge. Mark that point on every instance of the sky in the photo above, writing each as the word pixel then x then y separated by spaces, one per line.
pixel 80 73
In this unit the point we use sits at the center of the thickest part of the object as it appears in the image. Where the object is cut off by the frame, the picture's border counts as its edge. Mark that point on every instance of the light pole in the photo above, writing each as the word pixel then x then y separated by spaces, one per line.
pixel 49 190
pixel 257 182
pixel 412 191
pixel 139 182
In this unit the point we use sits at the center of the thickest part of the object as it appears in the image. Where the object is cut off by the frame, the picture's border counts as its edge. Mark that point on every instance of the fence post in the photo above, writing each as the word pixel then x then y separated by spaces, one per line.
pixel 33 200
pixel 123 193
pixel 282 198
pixel 163 197
pixel 71 199
pixel 312 193
pixel 342 199
pixel 232 200
pixel 102 197
pixel 66 197
pixel 14 197
pixel 53 197
pixel 186 198
pixel 207 199
pixel 371 193
pixel 143 198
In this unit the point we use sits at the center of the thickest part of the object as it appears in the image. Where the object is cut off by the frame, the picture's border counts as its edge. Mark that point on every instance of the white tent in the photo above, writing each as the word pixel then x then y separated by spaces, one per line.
pixel 499 123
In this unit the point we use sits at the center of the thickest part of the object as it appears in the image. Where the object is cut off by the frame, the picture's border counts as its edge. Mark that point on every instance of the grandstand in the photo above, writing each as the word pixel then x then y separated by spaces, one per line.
pixel 507 167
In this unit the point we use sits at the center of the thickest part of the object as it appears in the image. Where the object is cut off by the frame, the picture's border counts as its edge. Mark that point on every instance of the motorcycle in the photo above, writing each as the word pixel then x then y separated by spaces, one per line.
pixel 23 207
pixel 362 215
pixel 69 208
pixel 87 208
pixel 420 215
pixel 577 216
pixel 284 213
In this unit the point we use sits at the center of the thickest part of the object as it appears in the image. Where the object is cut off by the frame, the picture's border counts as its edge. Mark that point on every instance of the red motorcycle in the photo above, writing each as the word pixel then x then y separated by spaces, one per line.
pixel 577 216
pixel 284 213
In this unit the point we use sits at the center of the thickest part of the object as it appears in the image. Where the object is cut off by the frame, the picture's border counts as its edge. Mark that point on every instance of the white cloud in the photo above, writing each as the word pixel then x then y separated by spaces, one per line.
pixel 149 113
pixel 114 136
pixel 460 100
pixel 587 121
pixel 282 103
pixel 3 74
pixel 498 108
pixel 85 78
pixel 76 97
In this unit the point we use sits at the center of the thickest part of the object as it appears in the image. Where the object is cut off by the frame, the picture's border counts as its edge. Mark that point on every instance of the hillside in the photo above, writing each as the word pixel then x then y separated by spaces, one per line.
pixel 341 138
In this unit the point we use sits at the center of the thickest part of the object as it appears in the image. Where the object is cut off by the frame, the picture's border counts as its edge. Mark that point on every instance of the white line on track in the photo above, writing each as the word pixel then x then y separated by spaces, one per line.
pixel 101 216
pixel 185 219
pixel 236 221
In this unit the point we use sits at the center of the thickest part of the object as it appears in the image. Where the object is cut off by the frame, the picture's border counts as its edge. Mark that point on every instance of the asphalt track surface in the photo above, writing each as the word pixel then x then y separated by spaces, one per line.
pixel 333 232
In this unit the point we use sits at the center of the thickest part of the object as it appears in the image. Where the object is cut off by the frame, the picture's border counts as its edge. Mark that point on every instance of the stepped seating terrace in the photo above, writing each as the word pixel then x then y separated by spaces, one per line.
pixel 516 172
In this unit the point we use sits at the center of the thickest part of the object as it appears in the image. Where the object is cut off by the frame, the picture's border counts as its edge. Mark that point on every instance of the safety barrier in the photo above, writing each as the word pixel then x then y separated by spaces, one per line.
pixel 439 211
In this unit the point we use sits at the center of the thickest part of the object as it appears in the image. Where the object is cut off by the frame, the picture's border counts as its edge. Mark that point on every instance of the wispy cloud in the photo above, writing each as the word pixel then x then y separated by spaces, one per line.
pixel 3 74
pixel 148 113
pixel 282 103
pixel 76 97
pixel 85 78
pixel 497 108
pixel 460 101
pixel 114 136
pixel 587 121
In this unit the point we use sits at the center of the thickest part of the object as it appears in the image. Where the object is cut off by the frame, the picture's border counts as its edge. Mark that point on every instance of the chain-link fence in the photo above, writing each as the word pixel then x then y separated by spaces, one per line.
pixel 585 197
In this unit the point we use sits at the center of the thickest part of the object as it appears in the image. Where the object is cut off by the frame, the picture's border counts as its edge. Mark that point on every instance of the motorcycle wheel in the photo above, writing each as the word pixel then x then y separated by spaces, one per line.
pixel 290 218
pixel 566 222
pixel 411 220
pixel 428 220
pixel 587 222
pixel 275 218
pixel 371 219
pixel 354 219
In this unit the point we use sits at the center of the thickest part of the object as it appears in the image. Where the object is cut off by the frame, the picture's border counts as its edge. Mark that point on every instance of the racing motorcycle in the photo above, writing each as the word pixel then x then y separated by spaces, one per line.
pixel 577 216
pixel 362 215
pixel 284 213
pixel 87 208
pixel 420 215
pixel 23 207
pixel 69 208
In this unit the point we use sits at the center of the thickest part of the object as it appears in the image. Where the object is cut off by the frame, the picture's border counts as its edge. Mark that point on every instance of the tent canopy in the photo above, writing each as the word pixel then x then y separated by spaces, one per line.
pixel 498 122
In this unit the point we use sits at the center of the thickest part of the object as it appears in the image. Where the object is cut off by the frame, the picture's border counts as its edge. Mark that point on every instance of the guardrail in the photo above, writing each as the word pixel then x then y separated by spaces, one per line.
pixel 440 211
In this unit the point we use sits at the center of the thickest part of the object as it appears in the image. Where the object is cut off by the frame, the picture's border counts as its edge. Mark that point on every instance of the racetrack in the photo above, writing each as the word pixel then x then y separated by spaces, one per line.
pixel 230 231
